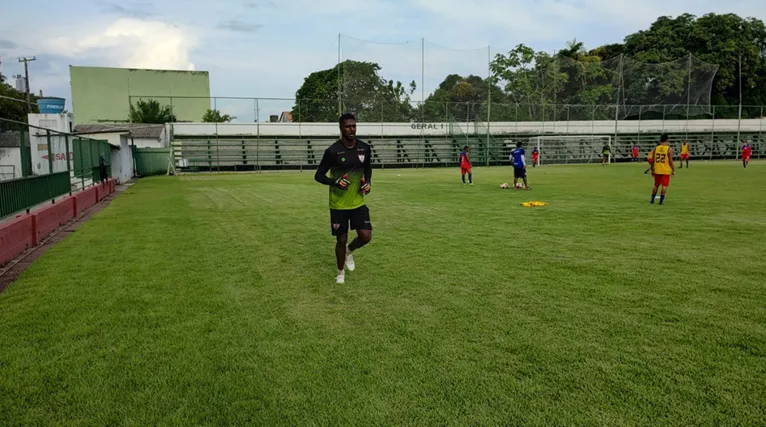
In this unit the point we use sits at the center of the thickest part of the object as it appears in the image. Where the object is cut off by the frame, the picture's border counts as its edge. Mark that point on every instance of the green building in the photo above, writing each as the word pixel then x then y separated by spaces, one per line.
pixel 103 95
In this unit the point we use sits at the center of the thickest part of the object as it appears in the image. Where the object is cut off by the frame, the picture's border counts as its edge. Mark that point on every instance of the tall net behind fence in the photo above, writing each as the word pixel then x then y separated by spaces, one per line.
pixel 380 82
pixel 678 89
pixel 455 84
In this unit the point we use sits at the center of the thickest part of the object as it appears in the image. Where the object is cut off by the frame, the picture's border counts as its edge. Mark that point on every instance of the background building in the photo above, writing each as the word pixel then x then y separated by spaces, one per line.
pixel 103 95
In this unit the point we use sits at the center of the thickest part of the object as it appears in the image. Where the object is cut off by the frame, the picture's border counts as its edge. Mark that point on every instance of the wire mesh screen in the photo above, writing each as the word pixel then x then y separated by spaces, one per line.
pixel 679 88
pixel 421 81
pixel 379 81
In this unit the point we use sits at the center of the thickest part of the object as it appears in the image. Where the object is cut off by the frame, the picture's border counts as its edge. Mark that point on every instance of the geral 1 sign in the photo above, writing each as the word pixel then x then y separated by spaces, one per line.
pixel 427 126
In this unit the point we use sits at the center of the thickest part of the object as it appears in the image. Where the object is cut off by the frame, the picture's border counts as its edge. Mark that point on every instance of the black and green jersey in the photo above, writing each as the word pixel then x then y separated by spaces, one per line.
pixel 355 163
pixel 605 150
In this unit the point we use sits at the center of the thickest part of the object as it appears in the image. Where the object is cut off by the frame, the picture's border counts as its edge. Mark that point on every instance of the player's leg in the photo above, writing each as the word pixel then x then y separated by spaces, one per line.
pixel 462 173
pixel 340 256
pixel 656 186
pixel 665 182
pixel 339 222
pixel 360 221
pixel 470 176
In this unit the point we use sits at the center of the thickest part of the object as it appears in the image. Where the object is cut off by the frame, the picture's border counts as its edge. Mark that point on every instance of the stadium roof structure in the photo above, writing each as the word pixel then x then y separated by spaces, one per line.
pixel 138 130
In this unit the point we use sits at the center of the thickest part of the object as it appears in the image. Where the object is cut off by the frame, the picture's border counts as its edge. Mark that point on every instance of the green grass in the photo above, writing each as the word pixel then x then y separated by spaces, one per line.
pixel 210 299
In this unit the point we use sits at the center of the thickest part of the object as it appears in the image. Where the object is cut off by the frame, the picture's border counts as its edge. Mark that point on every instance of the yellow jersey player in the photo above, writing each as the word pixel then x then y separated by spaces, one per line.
pixel 661 160
pixel 685 154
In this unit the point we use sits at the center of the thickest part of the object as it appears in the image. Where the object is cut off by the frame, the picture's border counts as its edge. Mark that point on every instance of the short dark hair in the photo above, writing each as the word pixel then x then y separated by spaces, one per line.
pixel 664 137
pixel 465 148
pixel 346 116
pixel 519 144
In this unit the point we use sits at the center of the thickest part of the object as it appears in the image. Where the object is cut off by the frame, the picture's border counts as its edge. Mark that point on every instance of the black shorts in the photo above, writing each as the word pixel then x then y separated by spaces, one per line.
pixel 519 173
pixel 340 219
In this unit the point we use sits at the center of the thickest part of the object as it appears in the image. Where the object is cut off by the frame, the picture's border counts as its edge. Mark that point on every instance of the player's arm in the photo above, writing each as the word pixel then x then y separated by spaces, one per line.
pixel 367 177
pixel 321 174
pixel 324 166
pixel 368 166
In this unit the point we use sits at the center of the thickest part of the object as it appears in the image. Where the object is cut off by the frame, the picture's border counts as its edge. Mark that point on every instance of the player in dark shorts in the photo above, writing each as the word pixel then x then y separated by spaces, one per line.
pixel 519 166
pixel 348 161
pixel 605 155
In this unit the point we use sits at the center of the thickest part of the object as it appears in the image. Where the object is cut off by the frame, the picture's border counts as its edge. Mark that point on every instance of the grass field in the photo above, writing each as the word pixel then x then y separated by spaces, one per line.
pixel 210 299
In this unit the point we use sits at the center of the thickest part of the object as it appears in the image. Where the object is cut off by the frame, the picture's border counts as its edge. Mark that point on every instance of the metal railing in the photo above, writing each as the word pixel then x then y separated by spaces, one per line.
pixel 19 194
pixel 53 164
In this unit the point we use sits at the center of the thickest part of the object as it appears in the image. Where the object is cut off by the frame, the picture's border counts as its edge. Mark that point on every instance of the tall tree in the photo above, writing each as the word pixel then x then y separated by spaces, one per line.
pixel 713 39
pixel 461 98
pixel 13 104
pixel 215 116
pixel 151 111
pixel 362 91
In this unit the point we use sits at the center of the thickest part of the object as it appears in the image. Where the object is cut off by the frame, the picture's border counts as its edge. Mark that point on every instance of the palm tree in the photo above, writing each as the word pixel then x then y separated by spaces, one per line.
pixel 574 50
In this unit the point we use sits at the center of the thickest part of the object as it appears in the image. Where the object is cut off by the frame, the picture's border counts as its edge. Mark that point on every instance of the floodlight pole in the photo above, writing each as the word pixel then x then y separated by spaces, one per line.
pixel 489 96
pixel 688 95
pixel 617 108
pixel 340 83
pixel 739 115
pixel 422 73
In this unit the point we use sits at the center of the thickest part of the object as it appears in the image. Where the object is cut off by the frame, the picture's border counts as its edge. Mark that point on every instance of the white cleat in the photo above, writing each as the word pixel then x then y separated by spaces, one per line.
pixel 340 279
pixel 350 265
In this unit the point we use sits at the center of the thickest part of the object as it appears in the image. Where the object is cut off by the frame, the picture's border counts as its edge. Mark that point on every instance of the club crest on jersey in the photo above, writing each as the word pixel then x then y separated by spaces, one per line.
pixel 336 226
pixel 361 157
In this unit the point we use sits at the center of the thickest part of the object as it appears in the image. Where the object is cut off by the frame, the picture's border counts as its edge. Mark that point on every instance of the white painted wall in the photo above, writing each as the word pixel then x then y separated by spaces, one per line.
pixel 38 141
pixel 10 156
pixel 122 161
pixel 366 130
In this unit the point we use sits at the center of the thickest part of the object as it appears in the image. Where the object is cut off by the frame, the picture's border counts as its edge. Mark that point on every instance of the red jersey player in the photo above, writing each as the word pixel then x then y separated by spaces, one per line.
pixel 634 152
pixel 746 150
pixel 535 157
pixel 465 165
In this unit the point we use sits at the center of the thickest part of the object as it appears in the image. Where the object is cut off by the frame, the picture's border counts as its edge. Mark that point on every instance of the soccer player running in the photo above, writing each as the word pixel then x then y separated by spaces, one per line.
pixel 519 166
pixel 605 155
pixel 349 164
pixel 465 165
pixel 662 167
pixel 685 154
pixel 746 150
pixel 535 157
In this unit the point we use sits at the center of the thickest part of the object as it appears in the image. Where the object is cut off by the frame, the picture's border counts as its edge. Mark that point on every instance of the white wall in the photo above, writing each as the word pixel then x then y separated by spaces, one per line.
pixel 366 130
pixel 10 156
pixel 38 141
pixel 122 161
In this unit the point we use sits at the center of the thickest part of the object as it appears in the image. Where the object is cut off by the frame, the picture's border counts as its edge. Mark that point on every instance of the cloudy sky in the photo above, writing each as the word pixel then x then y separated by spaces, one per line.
pixel 265 48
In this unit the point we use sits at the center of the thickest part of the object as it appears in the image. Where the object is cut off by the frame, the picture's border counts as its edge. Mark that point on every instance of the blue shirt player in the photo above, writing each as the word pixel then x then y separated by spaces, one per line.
pixel 519 166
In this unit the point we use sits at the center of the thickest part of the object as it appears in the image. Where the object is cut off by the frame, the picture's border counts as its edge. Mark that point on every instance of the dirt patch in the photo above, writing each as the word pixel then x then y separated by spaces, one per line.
pixel 13 270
